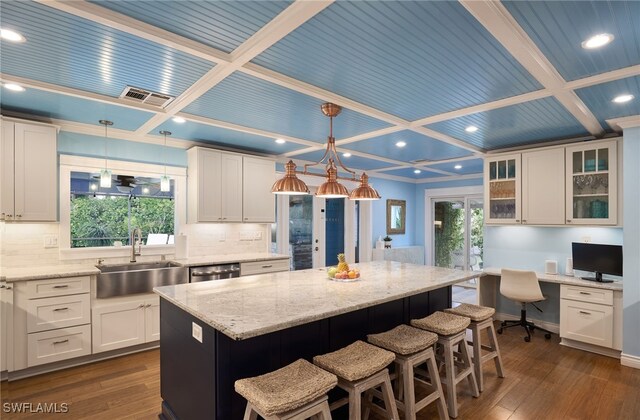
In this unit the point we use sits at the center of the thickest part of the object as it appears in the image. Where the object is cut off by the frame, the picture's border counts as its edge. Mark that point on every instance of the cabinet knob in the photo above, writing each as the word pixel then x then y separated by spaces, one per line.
pixel 18 215
pixel 524 221
pixel 568 220
pixel 9 216
pixel 141 306
pixel 224 218
pixel 517 220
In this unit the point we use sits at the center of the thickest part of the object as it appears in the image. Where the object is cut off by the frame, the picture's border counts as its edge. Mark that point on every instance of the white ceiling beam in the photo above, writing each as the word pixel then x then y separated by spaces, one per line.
pixel 604 77
pixel 449 178
pixel 499 22
pixel 448 139
pixel 137 28
pixel 283 24
pixel 623 123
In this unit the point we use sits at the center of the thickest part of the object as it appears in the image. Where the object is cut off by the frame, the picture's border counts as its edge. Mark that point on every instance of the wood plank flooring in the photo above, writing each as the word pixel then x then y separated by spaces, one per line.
pixel 543 381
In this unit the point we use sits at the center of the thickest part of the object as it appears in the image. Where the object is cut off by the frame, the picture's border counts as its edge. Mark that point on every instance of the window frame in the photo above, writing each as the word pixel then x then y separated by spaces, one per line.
pixel 69 163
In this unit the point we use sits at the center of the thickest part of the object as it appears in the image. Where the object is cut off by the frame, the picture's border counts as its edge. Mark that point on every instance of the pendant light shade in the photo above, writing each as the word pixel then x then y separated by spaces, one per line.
pixel 290 184
pixel 332 188
pixel 105 178
pixel 364 190
pixel 165 181
pixel 105 174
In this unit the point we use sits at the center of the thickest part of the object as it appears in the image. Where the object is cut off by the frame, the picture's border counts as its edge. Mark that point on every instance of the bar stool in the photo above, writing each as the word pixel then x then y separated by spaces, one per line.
pixel 451 333
pixel 360 367
pixel 481 319
pixel 413 347
pixel 295 392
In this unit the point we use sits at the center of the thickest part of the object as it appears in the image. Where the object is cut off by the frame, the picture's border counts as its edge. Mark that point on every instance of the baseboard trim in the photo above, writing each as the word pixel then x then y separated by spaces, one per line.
pixel 630 361
pixel 554 328
pixel 590 348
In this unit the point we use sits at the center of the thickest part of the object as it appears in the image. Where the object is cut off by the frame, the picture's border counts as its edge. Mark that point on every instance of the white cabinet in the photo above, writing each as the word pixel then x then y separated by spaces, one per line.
pixel 542 187
pixel 262 267
pixel 6 326
pixel 61 344
pixel 502 189
pixel 258 202
pixel 591 180
pixel 214 186
pixel 118 323
pixel 29 172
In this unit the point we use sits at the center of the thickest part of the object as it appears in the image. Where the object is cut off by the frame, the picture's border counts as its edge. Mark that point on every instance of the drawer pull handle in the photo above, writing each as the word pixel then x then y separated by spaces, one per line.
pixel 585 293
pixel 61 341
pixel 585 312
pixel 267 266
pixel 60 309
pixel 61 286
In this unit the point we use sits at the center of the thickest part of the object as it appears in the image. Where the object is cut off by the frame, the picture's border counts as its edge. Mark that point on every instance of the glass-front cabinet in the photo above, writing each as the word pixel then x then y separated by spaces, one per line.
pixel 502 187
pixel 591 184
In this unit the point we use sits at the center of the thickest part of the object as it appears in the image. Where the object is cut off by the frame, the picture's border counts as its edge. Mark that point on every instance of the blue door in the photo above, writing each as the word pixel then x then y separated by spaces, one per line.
pixel 334 225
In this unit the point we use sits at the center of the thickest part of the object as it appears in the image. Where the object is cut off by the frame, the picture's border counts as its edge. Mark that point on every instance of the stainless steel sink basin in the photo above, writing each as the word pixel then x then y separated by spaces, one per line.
pixel 142 277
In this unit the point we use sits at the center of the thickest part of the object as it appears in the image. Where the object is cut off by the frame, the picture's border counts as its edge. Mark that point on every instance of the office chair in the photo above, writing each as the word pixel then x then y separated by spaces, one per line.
pixel 522 287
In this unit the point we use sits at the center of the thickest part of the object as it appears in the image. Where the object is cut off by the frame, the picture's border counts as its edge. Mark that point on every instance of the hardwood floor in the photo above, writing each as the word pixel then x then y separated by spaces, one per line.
pixel 543 381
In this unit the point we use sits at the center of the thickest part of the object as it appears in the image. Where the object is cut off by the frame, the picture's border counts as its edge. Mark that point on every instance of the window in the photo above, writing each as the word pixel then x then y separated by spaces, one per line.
pixel 106 216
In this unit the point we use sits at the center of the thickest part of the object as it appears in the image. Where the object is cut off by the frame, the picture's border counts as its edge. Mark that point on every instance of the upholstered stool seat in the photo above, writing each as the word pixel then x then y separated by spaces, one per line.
pixel 413 347
pixel 360 367
pixel 481 319
pixel 451 335
pixel 295 391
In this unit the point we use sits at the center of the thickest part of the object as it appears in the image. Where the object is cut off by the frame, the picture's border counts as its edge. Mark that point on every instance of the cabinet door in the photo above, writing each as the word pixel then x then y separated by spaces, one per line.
pixel 6 328
pixel 36 173
pixel 586 322
pixel 502 189
pixel 152 320
pixel 231 188
pixel 209 186
pixel 258 202
pixel 6 170
pixel 543 196
pixel 591 180
pixel 118 325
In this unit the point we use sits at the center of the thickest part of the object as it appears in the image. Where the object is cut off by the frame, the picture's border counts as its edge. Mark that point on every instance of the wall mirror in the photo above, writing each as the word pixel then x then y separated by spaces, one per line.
pixel 396 215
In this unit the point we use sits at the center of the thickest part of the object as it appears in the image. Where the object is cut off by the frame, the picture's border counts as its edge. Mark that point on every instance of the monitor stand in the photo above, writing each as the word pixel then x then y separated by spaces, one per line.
pixel 598 278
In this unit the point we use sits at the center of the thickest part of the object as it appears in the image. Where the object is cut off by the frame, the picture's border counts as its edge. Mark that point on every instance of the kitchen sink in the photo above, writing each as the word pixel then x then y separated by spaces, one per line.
pixel 142 277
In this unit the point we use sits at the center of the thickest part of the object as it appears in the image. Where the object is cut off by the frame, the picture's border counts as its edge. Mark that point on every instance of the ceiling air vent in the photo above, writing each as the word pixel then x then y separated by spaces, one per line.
pixel 418 161
pixel 146 97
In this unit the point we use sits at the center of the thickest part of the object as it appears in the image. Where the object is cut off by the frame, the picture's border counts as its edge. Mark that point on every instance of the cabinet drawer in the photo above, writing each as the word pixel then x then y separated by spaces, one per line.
pixel 58 312
pixel 57 287
pixel 587 294
pixel 261 267
pixel 56 345
pixel 586 322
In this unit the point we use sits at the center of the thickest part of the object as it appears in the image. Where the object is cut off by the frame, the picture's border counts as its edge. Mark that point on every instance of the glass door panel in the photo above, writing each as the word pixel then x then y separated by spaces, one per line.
pixel 503 182
pixel 334 227
pixel 449 231
pixel 301 231
pixel 590 192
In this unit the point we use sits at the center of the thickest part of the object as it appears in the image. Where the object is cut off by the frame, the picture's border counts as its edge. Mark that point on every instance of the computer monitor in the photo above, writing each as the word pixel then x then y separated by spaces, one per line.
pixel 597 258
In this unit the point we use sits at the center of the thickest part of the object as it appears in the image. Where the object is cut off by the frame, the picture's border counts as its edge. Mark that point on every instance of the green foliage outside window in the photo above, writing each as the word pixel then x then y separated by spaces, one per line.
pixel 450 234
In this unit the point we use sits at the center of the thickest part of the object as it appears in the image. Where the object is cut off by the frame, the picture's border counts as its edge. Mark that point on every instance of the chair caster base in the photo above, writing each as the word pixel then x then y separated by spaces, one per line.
pixel 527 339
pixel 547 336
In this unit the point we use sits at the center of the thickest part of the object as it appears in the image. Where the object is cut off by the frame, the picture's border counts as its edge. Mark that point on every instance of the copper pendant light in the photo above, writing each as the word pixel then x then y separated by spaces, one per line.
pixel 331 188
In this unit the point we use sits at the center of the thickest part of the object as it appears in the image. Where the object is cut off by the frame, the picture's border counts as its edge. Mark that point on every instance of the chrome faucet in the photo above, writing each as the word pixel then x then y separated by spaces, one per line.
pixel 133 241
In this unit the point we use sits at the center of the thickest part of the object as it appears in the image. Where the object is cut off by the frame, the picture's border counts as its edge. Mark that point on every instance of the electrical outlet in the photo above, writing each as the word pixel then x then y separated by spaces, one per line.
pixel 586 239
pixel 196 331
pixel 246 236
pixel 257 236
pixel 50 241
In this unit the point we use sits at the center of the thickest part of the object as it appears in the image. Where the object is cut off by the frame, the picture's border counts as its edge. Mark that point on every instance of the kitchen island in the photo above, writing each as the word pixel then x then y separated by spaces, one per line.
pixel 213 333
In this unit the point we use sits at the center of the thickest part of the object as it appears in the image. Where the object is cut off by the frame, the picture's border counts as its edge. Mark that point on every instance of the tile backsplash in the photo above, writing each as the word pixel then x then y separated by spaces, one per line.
pixel 23 244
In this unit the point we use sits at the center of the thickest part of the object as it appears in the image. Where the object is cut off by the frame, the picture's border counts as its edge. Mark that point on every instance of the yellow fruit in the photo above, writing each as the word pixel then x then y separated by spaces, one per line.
pixel 352 274
pixel 342 265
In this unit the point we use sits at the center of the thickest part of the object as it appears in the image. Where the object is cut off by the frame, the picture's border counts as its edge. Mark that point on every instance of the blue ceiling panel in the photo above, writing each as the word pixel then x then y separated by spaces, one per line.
pixel 540 120
pixel 599 98
pixel 409 173
pixel 559 27
pixel 251 102
pixel 411 58
pixel 220 24
pixel 70 51
pixel 63 107
pixel 471 166
pixel 351 162
pixel 418 147
pixel 229 138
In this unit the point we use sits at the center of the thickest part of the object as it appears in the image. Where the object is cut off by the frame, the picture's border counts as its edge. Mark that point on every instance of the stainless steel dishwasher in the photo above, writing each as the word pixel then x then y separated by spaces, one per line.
pixel 214 272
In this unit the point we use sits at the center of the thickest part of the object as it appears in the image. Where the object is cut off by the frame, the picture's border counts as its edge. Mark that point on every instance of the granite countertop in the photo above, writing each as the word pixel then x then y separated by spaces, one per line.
pixel 48 272
pixel 560 279
pixel 255 305
pixel 229 258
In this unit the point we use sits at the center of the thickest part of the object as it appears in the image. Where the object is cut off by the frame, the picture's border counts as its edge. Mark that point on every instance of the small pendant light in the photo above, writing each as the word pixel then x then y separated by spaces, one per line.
pixel 105 174
pixel 165 181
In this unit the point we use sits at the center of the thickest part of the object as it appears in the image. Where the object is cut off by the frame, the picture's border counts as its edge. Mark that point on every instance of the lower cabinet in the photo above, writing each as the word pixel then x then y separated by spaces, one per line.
pixel 61 344
pixel 118 323
pixel 263 267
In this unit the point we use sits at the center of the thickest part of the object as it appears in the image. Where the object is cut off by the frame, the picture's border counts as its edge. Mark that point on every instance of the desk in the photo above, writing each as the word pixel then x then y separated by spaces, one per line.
pixel 602 334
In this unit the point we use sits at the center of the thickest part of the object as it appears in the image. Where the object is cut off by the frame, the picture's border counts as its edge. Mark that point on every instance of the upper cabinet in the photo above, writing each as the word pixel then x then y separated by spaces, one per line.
pixel 502 189
pixel 542 187
pixel 592 184
pixel 229 187
pixel 29 172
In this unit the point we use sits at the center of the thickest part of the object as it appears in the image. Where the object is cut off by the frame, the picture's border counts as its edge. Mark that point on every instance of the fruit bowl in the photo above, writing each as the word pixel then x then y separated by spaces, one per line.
pixel 343 276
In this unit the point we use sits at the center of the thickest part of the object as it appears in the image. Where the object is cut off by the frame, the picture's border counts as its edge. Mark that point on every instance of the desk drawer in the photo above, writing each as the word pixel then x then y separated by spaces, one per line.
pixel 58 312
pixel 56 345
pixel 57 287
pixel 261 267
pixel 586 294
pixel 586 322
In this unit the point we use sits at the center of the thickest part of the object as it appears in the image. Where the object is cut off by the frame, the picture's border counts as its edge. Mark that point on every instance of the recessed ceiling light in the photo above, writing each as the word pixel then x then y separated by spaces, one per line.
pixel 471 129
pixel 178 120
pixel 280 141
pixel 597 41
pixel 14 87
pixel 11 35
pixel 145 190
pixel 346 154
pixel 417 171
pixel 623 98
pixel 458 166
pixel 401 144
